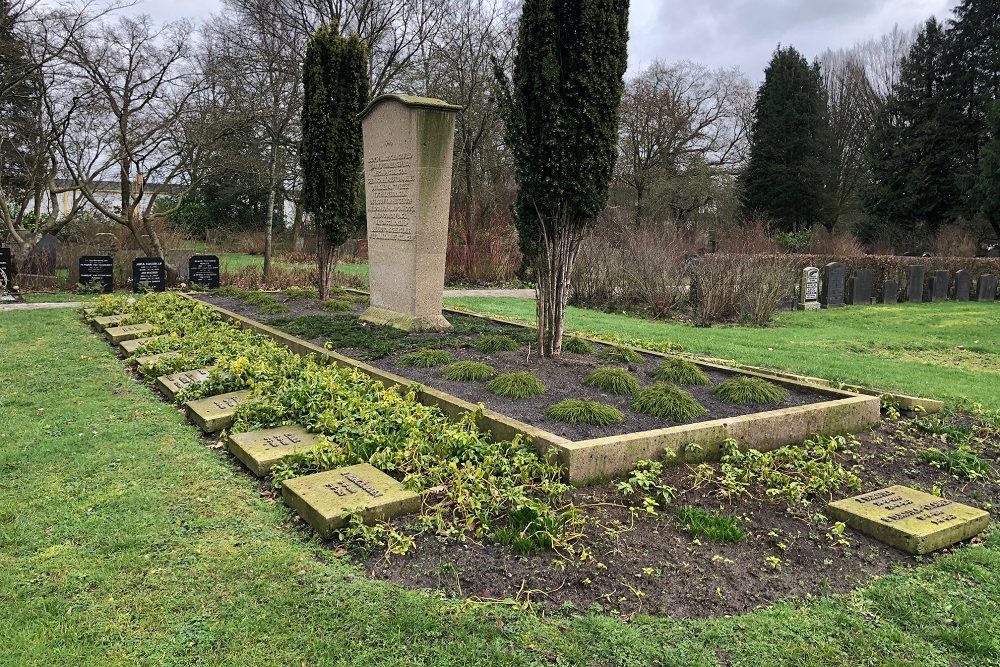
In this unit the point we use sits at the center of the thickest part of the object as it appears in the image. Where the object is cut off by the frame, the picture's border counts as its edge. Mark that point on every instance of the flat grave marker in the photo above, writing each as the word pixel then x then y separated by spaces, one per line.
pixel 986 288
pixel 98 270
pixel 963 285
pixel 890 292
pixel 132 346
pixel 809 289
pixel 832 295
pixel 149 274
pixel 151 359
pixel 216 412
pixel 174 383
pixel 203 270
pixel 118 334
pixel 106 321
pixel 862 284
pixel 915 284
pixel 910 520
pixel 939 283
pixel 260 450
pixel 326 500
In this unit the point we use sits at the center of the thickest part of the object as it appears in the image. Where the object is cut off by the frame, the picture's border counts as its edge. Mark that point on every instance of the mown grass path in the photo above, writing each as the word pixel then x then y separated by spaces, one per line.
pixel 124 540
pixel 947 351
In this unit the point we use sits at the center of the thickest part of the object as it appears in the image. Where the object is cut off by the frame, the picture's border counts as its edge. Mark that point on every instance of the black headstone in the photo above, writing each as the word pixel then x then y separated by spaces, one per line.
pixel 7 263
pixel 98 270
pixel 987 288
pixel 915 283
pixel 939 283
pixel 204 270
pixel 861 287
pixel 963 285
pixel 832 294
pixel 890 292
pixel 42 258
pixel 149 274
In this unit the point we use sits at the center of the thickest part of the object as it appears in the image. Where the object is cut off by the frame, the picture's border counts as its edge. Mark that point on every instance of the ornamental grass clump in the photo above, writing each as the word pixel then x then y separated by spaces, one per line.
pixel 468 371
pixel 613 381
pixel 577 345
pixel 519 385
pixel 680 371
pixel 750 391
pixel 583 411
pixel 426 358
pixel 335 305
pixel 492 343
pixel 667 402
pixel 622 354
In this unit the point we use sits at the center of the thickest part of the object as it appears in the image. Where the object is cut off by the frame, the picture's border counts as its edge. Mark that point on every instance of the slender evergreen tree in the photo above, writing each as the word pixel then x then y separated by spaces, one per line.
pixel 336 90
pixel 789 177
pixel 988 191
pixel 562 115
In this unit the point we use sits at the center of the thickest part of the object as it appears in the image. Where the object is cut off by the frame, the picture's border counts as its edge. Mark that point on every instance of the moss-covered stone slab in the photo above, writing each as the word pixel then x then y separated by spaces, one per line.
pixel 118 334
pixel 260 450
pixel 215 413
pixel 150 359
pixel 910 520
pixel 107 321
pixel 174 383
pixel 327 500
pixel 132 346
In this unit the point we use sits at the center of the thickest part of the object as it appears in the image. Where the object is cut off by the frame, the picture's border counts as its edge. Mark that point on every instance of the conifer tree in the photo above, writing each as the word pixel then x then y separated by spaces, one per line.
pixel 789 177
pixel 562 113
pixel 336 90
pixel 988 191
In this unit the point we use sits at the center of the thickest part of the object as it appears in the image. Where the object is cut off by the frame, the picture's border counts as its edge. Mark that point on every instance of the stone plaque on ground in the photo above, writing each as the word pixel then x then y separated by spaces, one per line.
pixel 326 500
pixel 915 283
pixel 910 520
pixel 963 285
pixel 174 383
pixel 216 412
pixel 986 288
pixel 150 359
pixel 408 145
pixel 131 346
pixel 149 274
pixel 939 283
pixel 832 295
pixel 102 323
pixel 127 332
pixel 809 289
pixel 203 270
pixel 890 292
pixel 98 270
pixel 862 284
pixel 260 450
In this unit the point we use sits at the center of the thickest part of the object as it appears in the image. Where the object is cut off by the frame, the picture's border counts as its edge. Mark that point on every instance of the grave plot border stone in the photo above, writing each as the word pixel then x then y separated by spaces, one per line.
pixel 214 413
pixel 259 451
pixel 127 332
pixel 910 520
pixel 174 383
pixel 107 321
pixel 327 500
pixel 132 346
pixel 149 360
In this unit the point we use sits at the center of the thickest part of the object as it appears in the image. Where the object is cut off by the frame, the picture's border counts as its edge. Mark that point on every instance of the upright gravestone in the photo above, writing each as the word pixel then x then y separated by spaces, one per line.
pixel 832 295
pixel 987 288
pixel 963 285
pixel 149 274
pixel 41 261
pixel 203 270
pixel 7 294
pixel 98 270
pixel 809 289
pixel 915 283
pixel 408 158
pixel 939 284
pixel 862 284
pixel 890 292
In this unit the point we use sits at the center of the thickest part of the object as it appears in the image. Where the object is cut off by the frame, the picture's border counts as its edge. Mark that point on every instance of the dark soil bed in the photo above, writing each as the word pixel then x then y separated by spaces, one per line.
pixel 563 378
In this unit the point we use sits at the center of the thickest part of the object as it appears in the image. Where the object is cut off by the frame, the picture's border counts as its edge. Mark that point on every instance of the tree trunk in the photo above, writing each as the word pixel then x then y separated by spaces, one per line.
pixel 269 221
pixel 553 272
pixel 326 263
pixel 297 226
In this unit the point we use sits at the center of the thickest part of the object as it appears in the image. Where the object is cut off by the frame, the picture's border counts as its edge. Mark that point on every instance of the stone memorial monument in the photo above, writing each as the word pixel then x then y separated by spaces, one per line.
pixel 910 520
pixel 862 284
pixel 890 292
pixel 939 283
pixel 986 288
pixel 408 144
pixel 203 270
pixel 915 284
pixel 149 274
pixel 809 289
pixel 832 295
pixel 963 285
pixel 98 270
pixel 7 293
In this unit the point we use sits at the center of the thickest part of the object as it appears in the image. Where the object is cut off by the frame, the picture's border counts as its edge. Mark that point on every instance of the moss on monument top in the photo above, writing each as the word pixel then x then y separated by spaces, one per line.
pixel 412 101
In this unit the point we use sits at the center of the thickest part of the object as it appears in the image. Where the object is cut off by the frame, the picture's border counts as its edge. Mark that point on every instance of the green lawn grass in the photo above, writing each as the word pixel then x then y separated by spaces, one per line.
pixel 947 351
pixel 124 540
pixel 234 261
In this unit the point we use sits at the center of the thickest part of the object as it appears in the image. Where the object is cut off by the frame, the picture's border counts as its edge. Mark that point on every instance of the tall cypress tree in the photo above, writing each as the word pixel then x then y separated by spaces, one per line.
pixel 336 90
pixel 562 112
pixel 913 189
pixel 789 178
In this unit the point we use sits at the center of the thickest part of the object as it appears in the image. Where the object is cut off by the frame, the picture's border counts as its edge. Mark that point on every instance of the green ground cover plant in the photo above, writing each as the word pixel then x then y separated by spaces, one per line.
pixel 468 371
pixel 583 411
pixel 680 371
pixel 714 526
pixel 492 343
pixel 748 390
pixel 577 345
pixel 344 331
pixel 667 402
pixel 518 385
pixel 426 358
pixel 621 354
pixel 612 380
pixel 336 305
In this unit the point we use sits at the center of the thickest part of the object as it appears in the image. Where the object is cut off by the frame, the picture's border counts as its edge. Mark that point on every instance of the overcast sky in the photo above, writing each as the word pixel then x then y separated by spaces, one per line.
pixel 718 33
